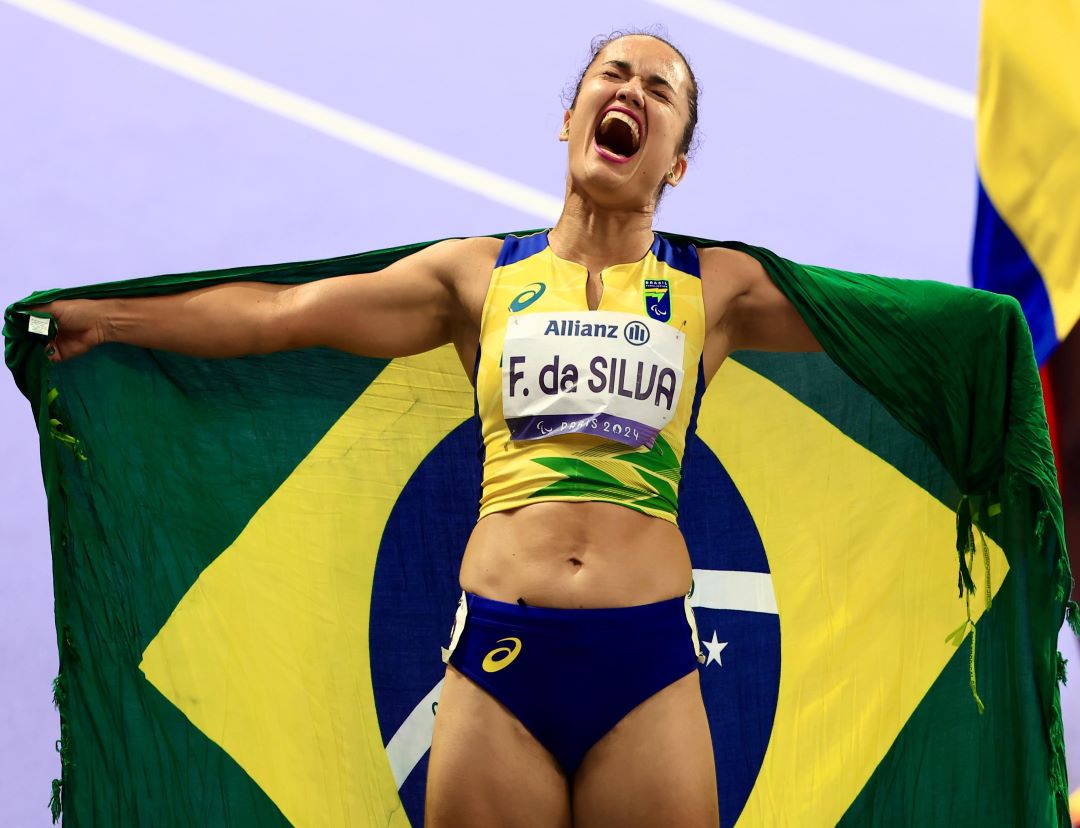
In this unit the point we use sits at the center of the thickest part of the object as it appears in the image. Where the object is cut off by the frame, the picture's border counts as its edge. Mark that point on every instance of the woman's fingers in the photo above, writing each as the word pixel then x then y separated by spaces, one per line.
pixel 76 328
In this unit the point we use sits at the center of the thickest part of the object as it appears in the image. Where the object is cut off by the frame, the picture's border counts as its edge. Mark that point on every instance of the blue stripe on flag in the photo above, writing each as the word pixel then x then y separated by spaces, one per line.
pixel 1000 263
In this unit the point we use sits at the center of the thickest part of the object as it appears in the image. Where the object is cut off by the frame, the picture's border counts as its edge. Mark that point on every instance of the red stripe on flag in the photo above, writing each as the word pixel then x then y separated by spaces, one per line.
pixel 1051 419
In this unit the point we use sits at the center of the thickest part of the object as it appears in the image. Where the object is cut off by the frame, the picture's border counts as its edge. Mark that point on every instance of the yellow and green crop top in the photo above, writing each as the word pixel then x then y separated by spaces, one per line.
pixel 580 405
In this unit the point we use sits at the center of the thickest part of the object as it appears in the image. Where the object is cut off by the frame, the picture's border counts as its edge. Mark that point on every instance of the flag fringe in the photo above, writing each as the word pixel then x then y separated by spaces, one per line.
pixel 59 693
pixel 63 744
pixel 971 673
pixel 965 552
pixel 57 429
pixel 1063 587
pixel 965 543
pixel 56 801
pixel 1072 614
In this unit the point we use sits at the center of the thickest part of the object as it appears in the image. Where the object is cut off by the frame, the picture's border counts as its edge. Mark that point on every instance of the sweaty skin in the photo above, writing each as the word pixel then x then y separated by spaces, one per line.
pixel 655 767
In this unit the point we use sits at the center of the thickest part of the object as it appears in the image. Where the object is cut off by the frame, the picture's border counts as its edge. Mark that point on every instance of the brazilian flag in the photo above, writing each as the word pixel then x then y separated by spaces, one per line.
pixel 255 567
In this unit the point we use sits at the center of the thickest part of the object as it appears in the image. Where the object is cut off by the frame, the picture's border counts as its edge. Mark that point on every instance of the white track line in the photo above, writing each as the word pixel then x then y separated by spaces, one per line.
pixel 822 52
pixel 249 89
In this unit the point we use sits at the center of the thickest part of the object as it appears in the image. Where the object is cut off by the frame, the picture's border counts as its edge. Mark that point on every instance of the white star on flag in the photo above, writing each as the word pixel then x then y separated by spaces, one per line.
pixel 715 648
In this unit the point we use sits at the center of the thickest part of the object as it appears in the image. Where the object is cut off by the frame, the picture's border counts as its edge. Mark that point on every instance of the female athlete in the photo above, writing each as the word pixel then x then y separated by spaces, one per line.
pixel 571 694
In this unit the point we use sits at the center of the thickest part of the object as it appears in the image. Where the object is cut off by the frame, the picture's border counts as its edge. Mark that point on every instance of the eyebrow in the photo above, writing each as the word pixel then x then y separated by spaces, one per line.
pixel 652 79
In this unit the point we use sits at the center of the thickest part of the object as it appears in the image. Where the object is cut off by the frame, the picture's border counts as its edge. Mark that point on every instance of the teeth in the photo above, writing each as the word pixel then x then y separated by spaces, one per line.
pixel 626 119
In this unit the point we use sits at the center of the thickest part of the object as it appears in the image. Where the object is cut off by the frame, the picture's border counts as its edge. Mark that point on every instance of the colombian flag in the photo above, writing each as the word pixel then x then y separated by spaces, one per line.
pixel 1027 237
pixel 255 566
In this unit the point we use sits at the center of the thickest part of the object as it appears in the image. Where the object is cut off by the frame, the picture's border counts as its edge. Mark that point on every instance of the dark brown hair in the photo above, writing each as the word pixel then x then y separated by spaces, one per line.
pixel 601 41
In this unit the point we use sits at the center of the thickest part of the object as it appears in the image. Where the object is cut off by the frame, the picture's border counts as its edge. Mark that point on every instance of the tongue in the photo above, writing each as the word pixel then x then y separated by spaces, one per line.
pixel 616 136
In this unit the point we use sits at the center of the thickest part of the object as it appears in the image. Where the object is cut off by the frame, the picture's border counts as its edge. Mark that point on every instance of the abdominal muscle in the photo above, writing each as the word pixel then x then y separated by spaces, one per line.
pixel 576 555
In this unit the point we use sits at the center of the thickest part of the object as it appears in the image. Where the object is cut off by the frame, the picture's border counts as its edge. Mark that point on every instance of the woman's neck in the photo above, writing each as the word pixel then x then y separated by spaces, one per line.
pixel 598 237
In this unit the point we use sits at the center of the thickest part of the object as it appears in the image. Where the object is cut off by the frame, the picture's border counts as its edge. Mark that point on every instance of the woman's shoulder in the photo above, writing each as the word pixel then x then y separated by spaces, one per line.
pixel 473 249
pixel 465 265
pixel 467 255
pixel 455 260
pixel 736 270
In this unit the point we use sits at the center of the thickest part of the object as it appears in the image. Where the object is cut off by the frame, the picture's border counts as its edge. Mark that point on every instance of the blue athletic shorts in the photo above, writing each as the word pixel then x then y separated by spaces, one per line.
pixel 569 675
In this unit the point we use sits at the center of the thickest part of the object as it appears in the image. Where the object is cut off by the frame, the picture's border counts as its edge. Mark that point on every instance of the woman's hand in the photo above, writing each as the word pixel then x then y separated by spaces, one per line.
pixel 80 325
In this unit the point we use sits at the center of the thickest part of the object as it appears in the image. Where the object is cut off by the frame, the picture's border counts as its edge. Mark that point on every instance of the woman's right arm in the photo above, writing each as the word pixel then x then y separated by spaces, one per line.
pixel 410 307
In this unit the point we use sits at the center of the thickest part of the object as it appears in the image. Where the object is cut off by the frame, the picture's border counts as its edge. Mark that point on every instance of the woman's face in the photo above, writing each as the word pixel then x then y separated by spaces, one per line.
pixel 627 123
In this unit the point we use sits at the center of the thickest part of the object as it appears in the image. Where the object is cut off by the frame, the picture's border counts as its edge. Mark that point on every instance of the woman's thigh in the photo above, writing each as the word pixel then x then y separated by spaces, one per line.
pixel 655 767
pixel 486 768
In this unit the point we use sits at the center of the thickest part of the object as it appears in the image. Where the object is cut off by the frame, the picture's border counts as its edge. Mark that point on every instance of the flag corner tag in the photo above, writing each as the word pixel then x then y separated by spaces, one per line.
pixel 38 325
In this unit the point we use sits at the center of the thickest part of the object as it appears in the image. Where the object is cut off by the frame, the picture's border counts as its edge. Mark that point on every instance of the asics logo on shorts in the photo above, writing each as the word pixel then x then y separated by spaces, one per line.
pixel 501 657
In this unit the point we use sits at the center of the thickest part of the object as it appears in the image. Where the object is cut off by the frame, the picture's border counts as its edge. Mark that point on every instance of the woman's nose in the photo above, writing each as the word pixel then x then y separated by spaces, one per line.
pixel 631 93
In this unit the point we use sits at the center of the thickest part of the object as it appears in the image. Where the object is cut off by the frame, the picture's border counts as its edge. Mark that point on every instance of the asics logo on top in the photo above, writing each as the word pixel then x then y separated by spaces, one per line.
pixel 527 297
pixel 501 657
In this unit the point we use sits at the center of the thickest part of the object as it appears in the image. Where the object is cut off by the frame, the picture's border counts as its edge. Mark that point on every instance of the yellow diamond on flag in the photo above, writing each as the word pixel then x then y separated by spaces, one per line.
pixel 267 653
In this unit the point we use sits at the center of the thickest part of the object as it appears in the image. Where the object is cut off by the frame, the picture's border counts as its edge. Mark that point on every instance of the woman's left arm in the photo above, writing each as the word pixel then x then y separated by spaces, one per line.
pixel 756 316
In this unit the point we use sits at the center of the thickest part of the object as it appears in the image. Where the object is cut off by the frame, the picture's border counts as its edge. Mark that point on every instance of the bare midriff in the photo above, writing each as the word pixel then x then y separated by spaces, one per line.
pixel 576 555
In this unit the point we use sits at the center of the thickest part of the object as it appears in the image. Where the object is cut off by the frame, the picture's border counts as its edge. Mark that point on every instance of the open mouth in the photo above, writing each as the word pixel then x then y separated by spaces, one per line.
pixel 618 135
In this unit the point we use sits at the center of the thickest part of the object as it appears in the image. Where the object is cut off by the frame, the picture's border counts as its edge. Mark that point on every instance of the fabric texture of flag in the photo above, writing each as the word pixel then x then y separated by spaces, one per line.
pixel 255 566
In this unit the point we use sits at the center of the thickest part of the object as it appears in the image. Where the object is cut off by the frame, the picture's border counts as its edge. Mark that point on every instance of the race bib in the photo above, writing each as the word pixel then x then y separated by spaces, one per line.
pixel 614 375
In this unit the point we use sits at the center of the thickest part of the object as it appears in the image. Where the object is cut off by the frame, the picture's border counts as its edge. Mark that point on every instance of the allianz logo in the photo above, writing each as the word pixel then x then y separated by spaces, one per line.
pixel 636 333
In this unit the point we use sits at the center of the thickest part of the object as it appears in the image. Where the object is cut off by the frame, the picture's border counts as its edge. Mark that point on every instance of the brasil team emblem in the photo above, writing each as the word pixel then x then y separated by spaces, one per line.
pixel 658 299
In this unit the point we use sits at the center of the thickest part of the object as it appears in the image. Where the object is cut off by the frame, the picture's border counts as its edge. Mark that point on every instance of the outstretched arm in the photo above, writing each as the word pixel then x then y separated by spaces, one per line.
pixel 410 307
